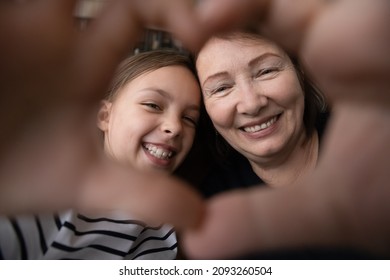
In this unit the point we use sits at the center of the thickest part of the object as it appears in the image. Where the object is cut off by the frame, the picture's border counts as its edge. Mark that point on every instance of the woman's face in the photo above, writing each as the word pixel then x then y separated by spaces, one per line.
pixel 151 122
pixel 252 95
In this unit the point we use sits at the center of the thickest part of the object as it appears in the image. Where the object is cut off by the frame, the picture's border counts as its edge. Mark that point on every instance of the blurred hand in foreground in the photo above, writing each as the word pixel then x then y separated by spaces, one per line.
pixel 344 47
pixel 52 77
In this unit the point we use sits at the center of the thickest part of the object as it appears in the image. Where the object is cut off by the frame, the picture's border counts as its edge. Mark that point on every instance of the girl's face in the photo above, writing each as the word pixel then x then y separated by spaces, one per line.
pixel 151 122
pixel 252 95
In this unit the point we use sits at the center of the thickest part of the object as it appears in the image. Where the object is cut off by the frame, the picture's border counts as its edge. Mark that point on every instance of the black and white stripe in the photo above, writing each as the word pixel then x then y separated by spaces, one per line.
pixel 74 236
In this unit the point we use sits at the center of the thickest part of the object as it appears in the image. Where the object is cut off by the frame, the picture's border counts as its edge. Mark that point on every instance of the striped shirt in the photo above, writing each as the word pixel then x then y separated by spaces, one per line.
pixel 70 235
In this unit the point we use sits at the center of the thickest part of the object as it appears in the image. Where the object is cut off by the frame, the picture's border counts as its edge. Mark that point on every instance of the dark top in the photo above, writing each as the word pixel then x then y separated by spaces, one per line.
pixel 235 172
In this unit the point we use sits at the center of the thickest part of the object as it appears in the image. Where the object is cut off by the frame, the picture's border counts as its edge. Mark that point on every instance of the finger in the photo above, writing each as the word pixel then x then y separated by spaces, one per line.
pixel 226 231
pixel 21 24
pixel 242 223
pixel 287 22
pixel 347 51
pixel 356 174
pixel 42 169
pixel 175 16
pixel 105 42
pixel 284 21
pixel 221 15
pixel 333 207
pixel 57 10
pixel 60 8
pixel 153 197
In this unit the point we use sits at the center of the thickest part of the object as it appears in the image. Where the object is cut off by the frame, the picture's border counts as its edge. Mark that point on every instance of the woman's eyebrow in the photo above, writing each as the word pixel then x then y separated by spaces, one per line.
pixel 251 63
pixel 215 76
pixel 262 57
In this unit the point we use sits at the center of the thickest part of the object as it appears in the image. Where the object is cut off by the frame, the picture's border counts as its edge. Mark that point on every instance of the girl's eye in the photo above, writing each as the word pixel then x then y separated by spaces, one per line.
pixel 152 106
pixel 191 120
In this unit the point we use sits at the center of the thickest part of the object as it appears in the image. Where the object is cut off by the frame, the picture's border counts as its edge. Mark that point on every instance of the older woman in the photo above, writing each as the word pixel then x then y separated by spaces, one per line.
pixel 268 121
pixel 263 107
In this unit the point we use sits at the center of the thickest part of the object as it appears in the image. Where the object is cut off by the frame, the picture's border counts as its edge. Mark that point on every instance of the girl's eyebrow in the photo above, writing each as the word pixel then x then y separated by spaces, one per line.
pixel 163 93
pixel 166 95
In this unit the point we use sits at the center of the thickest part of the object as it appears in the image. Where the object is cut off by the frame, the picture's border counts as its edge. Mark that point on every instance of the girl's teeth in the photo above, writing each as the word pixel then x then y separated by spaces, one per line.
pixel 158 152
pixel 257 128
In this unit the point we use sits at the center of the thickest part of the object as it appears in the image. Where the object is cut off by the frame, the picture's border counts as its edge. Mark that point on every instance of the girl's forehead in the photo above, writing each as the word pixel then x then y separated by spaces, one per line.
pixel 171 79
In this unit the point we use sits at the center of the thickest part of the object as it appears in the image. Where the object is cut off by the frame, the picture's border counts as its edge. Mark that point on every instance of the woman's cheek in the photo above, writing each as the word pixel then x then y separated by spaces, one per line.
pixel 220 112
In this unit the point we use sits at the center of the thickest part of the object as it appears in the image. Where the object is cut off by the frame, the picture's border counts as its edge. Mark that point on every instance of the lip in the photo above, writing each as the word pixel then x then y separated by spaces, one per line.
pixel 264 132
pixel 160 162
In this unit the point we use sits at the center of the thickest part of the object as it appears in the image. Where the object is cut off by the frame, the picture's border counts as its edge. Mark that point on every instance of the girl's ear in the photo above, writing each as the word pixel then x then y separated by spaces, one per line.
pixel 103 115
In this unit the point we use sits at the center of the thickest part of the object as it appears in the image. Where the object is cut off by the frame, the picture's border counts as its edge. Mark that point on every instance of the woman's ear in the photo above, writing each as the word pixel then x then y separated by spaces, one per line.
pixel 103 116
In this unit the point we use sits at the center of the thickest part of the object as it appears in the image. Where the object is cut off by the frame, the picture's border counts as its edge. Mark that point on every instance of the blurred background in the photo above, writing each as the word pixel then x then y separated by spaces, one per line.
pixel 152 38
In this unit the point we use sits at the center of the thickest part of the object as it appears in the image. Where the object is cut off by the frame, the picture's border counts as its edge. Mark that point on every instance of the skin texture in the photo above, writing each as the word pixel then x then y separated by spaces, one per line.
pixel 344 47
pixel 254 98
pixel 154 109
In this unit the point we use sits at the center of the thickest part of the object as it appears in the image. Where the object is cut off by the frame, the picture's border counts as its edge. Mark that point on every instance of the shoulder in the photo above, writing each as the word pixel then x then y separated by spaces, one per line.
pixel 71 235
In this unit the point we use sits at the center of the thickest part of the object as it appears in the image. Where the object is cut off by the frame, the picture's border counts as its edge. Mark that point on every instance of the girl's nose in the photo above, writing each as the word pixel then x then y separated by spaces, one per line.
pixel 172 125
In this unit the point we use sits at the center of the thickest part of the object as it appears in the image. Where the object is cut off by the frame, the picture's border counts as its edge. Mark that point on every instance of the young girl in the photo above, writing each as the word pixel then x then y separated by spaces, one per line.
pixel 148 120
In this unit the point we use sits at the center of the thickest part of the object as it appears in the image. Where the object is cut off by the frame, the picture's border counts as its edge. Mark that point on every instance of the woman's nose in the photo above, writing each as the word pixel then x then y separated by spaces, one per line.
pixel 251 100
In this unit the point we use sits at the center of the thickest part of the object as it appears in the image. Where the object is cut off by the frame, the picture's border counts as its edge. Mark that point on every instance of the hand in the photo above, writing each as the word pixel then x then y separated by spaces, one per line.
pixel 346 196
pixel 345 201
pixel 52 76
pixel 46 103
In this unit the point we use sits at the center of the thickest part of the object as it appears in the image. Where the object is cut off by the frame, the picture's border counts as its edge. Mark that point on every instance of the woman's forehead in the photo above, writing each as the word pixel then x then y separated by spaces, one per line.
pixel 239 51
pixel 221 45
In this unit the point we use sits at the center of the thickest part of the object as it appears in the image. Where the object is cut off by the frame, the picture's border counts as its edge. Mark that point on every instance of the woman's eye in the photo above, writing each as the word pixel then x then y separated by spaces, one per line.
pixel 220 89
pixel 266 71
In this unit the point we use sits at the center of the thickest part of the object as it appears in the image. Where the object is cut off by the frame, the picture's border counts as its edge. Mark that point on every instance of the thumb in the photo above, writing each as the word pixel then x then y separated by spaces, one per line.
pixel 152 196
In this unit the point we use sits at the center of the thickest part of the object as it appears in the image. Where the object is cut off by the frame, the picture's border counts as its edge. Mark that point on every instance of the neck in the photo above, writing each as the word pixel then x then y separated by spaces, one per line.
pixel 288 169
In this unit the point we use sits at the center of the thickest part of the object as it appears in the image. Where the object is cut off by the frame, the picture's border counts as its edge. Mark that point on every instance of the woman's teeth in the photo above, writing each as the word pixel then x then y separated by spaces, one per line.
pixel 262 126
pixel 158 152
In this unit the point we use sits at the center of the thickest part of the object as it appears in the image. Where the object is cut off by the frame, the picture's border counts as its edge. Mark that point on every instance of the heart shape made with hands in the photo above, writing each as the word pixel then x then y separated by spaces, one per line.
pixel 51 90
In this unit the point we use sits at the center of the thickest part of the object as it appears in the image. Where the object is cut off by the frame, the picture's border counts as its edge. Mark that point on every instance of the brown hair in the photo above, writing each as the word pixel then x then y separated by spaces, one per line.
pixel 315 102
pixel 138 64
